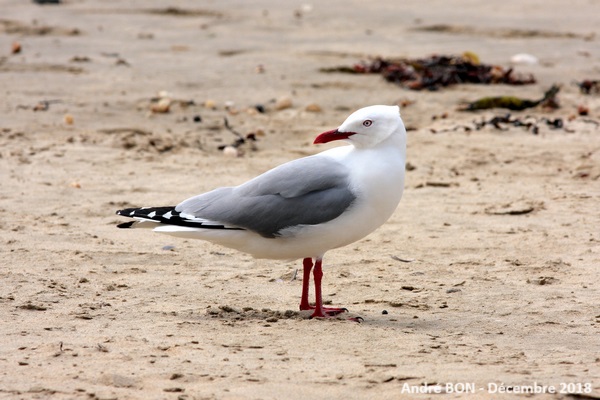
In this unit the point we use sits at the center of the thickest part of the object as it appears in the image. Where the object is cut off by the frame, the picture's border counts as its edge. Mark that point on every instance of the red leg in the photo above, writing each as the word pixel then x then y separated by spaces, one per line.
pixel 318 275
pixel 320 311
pixel 304 304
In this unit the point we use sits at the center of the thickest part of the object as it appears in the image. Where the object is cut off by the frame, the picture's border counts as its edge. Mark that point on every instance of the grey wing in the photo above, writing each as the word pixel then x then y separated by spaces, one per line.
pixel 307 191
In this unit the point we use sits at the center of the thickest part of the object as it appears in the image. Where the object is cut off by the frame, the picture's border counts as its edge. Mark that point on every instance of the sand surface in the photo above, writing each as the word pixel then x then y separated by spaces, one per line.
pixel 487 274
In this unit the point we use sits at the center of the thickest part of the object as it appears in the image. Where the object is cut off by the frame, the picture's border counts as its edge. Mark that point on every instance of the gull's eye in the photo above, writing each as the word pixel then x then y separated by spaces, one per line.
pixel 367 122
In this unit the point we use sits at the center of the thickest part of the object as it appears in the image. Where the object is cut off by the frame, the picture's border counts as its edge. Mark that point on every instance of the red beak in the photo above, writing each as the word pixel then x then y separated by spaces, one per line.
pixel 332 135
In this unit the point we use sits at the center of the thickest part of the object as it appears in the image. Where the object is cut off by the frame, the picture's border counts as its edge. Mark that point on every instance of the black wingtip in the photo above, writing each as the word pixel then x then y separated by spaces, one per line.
pixel 128 212
pixel 126 225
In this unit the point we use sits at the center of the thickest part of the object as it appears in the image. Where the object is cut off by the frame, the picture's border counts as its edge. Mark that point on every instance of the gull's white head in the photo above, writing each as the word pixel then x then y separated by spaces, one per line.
pixel 367 127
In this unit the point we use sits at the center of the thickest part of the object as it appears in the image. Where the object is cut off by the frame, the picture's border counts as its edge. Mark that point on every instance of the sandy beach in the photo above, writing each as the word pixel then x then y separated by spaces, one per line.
pixel 485 281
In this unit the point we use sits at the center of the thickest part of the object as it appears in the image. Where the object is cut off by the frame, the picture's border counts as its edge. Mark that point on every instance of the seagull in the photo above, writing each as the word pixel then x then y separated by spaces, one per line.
pixel 302 208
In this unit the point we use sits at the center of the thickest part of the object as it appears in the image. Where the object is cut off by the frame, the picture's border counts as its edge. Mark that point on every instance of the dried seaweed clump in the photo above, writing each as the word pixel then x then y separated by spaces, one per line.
pixel 515 103
pixel 589 86
pixel 436 71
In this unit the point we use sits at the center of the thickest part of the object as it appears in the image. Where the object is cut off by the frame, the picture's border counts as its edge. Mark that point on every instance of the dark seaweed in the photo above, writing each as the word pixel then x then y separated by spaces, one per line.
pixel 435 72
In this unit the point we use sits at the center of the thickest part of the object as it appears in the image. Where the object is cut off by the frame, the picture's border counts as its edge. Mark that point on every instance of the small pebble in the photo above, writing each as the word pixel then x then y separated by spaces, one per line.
pixel 384 312
pixel 524 58
pixel 260 108
pixel 164 94
pixel 162 106
pixel 230 151
pixel 197 118
pixel 16 48
pixel 583 110
pixel 210 104
pixel 69 119
pixel 283 103
pixel 313 108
